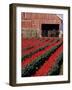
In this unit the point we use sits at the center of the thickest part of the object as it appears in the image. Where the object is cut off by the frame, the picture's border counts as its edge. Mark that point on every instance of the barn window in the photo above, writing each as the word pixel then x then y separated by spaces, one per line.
pixel 50 30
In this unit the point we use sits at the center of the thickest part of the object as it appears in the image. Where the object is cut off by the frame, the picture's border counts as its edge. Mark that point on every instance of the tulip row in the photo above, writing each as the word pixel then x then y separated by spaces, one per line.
pixel 57 66
pixel 34 44
pixel 26 43
pixel 34 65
pixel 30 52
pixel 39 53
pixel 51 64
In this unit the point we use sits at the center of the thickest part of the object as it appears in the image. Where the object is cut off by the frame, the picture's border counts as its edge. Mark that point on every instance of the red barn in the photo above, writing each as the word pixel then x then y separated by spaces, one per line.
pixel 40 25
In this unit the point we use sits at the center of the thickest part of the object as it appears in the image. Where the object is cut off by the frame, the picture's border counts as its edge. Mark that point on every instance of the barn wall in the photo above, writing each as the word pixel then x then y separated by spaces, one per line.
pixel 31 22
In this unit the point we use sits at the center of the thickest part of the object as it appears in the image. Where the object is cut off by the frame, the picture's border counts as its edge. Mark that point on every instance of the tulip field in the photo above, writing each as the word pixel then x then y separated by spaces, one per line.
pixel 41 56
